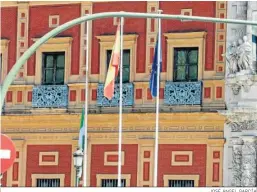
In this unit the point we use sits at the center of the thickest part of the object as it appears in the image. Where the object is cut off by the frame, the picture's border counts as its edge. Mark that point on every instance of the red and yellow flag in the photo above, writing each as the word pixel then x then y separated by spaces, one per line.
pixel 113 69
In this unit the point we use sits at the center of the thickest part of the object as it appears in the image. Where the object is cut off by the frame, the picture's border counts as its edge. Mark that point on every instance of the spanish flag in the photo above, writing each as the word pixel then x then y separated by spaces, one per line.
pixel 113 70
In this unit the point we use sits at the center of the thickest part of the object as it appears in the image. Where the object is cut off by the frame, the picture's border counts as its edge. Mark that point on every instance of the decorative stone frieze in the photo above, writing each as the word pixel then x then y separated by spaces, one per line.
pixel 248 167
pixel 236 161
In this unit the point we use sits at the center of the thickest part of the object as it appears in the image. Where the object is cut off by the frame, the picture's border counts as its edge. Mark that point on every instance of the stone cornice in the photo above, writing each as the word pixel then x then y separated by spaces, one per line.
pixel 188 35
pixel 240 114
pixel 57 40
pixel 178 117
pixel 111 38
pixel 108 129
pixel 111 120
pixel 105 123
pixel 210 138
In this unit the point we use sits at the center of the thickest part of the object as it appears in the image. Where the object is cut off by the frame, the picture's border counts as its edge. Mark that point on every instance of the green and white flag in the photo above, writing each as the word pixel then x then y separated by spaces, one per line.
pixel 82 130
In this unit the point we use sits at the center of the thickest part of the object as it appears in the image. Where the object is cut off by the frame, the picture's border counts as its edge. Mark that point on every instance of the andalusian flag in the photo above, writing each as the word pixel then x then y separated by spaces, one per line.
pixel 82 130
pixel 113 67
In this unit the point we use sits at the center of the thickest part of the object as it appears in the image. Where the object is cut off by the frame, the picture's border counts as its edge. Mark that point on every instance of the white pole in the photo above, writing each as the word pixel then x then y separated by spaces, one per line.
pixel 157 105
pixel 86 112
pixel 120 108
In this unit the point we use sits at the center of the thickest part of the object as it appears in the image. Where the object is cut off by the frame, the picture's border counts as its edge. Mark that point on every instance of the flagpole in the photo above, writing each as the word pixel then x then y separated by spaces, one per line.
pixel 86 112
pixel 120 107
pixel 157 105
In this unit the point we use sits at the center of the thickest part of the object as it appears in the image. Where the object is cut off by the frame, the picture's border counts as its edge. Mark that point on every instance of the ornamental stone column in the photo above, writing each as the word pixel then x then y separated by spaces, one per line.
pixel 249 162
pixel 236 161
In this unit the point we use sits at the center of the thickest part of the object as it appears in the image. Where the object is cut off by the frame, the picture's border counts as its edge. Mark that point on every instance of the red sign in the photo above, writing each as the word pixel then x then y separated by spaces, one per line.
pixel 7 153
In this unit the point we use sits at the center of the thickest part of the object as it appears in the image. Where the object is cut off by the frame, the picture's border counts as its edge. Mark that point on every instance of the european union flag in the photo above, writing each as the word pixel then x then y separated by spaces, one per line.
pixel 153 78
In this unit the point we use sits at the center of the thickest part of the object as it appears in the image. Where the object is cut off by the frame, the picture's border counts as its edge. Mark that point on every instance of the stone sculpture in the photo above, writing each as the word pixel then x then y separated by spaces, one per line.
pixel 239 65
pixel 238 57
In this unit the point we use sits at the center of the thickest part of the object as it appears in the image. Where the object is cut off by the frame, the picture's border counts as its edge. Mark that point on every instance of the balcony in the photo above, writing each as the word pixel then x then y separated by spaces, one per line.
pixel 127 93
pixel 50 96
pixel 183 93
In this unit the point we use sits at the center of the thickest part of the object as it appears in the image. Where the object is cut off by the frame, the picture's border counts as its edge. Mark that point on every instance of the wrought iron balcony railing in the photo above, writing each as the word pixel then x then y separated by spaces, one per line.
pixel 183 93
pixel 127 95
pixel 50 96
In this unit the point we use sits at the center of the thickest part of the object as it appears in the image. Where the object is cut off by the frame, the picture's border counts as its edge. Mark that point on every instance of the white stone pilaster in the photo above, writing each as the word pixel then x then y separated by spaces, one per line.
pixel 249 162
pixel 237 162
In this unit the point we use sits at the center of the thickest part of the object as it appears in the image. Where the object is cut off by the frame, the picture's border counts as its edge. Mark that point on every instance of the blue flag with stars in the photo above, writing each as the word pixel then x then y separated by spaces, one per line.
pixel 153 78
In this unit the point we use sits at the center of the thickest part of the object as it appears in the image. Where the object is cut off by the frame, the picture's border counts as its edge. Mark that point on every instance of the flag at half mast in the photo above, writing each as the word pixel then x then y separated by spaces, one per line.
pixel 113 67
pixel 153 78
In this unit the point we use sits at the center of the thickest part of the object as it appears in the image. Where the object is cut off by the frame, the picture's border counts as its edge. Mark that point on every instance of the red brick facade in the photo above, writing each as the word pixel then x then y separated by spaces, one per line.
pixel 9 31
pixel 198 9
pixel 105 26
pixel 198 167
pixel 130 162
pixel 38 26
pixel 63 167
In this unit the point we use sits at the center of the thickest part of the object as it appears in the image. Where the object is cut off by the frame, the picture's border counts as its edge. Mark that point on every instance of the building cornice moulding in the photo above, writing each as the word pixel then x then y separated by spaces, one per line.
pixel 185 35
pixel 61 128
pixel 57 40
pixel 127 117
pixel 111 38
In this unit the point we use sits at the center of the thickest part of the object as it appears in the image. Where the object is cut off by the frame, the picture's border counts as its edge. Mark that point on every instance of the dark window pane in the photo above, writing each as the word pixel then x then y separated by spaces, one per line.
pixel 60 61
pixel 181 183
pixel 49 61
pixel 185 64
pixel 181 58
pixel 181 73
pixel 193 72
pixel 48 182
pixel 126 65
pixel 53 71
pixel 59 76
pixel 126 57
pixel 49 76
pixel 112 182
pixel 109 54
pixel 126 74
pixel 193 57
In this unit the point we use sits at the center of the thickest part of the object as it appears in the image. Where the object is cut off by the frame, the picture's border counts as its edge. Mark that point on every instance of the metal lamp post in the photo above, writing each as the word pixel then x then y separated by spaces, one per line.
pixel 78 162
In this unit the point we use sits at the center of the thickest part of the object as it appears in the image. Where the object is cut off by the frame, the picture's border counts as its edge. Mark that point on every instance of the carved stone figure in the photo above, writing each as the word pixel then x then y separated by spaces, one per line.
pixel 244 52
pixel 238 56
pixel 239 66
pixel 231 57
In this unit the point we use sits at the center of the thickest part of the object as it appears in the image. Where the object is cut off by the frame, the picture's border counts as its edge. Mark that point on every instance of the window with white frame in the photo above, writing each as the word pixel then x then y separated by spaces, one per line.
pixel 186 56
pixel 181 180
pixel 185 64
pixel 53 68
pixel 129 55
pixel 112 182
pixel 61 48
pixel 48 182
pixel 181 183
